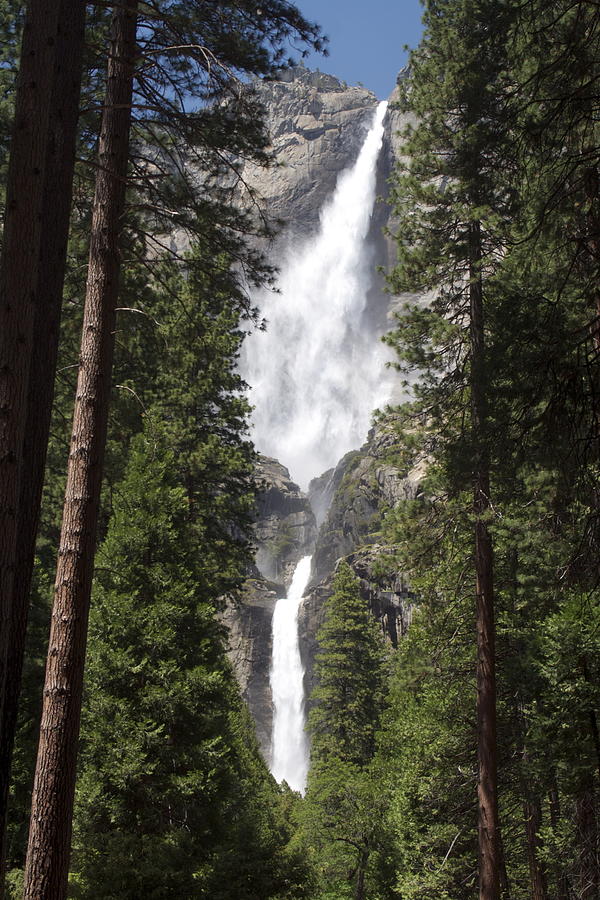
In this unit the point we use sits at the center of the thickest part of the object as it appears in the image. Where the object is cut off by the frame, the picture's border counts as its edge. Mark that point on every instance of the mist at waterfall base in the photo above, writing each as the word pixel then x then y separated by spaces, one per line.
pixel 318 371
pixel 289 754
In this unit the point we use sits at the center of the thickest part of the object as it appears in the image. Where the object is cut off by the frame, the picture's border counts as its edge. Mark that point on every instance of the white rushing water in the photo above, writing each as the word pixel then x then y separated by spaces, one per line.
pixel 317 373
pixel 289 753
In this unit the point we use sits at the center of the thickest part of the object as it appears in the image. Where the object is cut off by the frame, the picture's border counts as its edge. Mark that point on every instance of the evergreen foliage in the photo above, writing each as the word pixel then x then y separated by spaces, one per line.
pixel 539 372
pixel 172 792
pixel 210 52
pixel 11 15
pixel 499 192
pixel 349 672
pixel 343 806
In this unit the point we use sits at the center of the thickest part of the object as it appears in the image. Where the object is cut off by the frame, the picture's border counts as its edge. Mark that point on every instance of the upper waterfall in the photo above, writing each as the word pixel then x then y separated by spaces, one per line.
pixel 317 372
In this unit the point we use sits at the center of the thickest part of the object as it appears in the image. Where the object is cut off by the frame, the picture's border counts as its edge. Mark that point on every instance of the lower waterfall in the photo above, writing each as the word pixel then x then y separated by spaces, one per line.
pixel 289 748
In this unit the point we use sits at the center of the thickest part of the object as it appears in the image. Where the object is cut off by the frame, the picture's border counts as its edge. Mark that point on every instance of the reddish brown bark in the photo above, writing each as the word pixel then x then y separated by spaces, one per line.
pixel 587 836
pixel 58 181
pixel 487 785
pixel 559 873
pixel 52 804
pixel 537 875
pixel 19 276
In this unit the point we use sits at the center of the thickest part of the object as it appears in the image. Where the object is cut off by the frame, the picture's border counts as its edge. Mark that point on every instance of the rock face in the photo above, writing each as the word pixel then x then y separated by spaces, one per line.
pixel 364 484
pixel 285 531
pixel 317 125
pixel 361 487
pixel 249 649
pixel 385 592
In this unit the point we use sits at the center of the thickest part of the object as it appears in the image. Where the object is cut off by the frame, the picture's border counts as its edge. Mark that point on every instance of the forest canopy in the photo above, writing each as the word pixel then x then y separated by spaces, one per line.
pixel 463 759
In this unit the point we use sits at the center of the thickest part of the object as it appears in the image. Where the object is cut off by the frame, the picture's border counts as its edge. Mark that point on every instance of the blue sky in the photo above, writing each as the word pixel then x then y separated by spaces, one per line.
pixel 367 38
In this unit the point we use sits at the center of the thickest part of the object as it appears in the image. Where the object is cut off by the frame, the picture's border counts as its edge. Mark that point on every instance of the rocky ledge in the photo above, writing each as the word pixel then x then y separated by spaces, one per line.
pixel 285 531
pixel 285 528
pixel 364 484
pixel 317 124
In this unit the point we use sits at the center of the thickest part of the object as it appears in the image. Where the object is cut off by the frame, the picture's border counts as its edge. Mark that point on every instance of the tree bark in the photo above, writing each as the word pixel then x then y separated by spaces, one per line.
pixel 560 875
pixel 55 215
pixel 591 182
pixel 533 816
pixel 487 785
pixel 359 891
pixel 52 803
pixel 19 277
pixel 587 833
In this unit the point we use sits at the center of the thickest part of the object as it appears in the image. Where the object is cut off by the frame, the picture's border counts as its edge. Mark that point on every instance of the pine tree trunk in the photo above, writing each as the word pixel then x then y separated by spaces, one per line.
pixel 19 278
pixel 587 835
pixel 359 891
pixel 487 787
pixel 533 816
pixel 58 182
pixel 560 875
pixel 595 732
pixel 592 240
pixel 52 803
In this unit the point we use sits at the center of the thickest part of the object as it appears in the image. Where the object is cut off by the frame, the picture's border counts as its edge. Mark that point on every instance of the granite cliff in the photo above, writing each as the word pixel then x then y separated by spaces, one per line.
pixel 364 484
pixel 318 124
pixel 285 531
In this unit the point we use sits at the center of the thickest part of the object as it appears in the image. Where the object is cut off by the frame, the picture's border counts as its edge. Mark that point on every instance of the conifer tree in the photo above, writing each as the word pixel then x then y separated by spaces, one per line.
pixel 253 49
pixel 55 216
pixel 449 203
pixel 18 276
pixel 555 64
pixel 172 792
pixel 50 830
pixel 349 672
pixel 539 383
pixel 343 806
pixel 428 743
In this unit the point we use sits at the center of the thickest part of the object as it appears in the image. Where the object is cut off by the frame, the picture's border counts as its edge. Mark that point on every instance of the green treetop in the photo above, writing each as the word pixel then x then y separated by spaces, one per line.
pixel 349 671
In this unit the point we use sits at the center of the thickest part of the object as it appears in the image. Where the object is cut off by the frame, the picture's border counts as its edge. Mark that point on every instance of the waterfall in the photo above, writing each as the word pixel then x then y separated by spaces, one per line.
pixel 289 750
pixel 317 372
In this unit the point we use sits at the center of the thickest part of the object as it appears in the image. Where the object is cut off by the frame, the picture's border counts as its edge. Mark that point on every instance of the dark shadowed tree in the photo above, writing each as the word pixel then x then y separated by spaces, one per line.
pixel 451 205
pixel 56 191
pixel 52 803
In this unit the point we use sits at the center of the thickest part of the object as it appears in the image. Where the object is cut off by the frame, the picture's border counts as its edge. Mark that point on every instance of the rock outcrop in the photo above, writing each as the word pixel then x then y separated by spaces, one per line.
pixel 284 532
pixel 285 529
pixel 249 649
pixel 317 125
pixel 364 485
